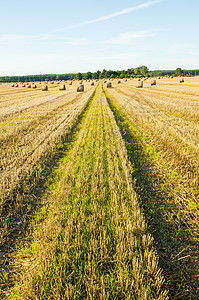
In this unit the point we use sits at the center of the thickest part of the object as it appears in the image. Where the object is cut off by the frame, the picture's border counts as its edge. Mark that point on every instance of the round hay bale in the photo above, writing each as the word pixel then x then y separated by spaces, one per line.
pixel 92 83
pixel 62 87
pixel 23 85
pixel 139 84
pixel 12 85
pixel 153 82
pixel 181 80
pixel 139 79
pixel 44 88
pixel 109 84
pixel 125 79
pixel 34 86
pixel 70 83
pixel 52 82
pixel 80 88
pixel 172 77
pixel 119 81
pixel 16 85
pixel 158 77
pixel 81 82
pixel 104 81
pixel 28 86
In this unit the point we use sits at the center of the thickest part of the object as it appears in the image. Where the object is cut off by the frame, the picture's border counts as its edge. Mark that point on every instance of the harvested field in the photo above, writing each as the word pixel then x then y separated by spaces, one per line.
pixel 99 191
pixel 30 131
pixel 161 127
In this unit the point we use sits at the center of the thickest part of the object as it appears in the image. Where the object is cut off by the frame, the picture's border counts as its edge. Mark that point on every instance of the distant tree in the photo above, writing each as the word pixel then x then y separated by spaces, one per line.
pixel 122 75
pixel 178 72
pixel 138 72
pixel 107 74
pixel 88 75
pixel 103 74
pixel 95 75
pixel 98 74
pixel 79 76
pixel 143 70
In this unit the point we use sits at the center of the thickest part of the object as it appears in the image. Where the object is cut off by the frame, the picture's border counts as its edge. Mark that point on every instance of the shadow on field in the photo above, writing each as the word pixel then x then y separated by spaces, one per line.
pixel 172 240
pixel 18 223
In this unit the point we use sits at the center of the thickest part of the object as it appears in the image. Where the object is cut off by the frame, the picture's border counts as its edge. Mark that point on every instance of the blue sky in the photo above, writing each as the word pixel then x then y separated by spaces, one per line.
pixel 62 36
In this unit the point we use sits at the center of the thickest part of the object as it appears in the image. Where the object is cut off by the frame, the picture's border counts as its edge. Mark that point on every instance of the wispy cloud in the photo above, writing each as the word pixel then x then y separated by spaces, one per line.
pixel 14 37
pixel 128 38
pixel 75 41
pixel 22 38
pixel 113 15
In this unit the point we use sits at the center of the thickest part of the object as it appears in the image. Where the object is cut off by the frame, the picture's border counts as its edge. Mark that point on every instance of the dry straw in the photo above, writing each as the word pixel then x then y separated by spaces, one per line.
pixel 80 88
pixel 139 84
pixel 62 87
pixel 153 82
pixel 44 88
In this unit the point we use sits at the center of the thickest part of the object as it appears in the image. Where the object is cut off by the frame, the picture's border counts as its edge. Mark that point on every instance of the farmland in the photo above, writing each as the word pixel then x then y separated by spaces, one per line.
pixel 99 191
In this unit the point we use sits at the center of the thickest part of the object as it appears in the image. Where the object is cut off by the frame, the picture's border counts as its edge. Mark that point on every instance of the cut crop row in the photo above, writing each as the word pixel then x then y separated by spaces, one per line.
pixel 166 174
pixel 92 242
pixel 25 154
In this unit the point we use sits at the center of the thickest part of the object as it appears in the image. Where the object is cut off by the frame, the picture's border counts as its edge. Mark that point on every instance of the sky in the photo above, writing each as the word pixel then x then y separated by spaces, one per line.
pixel 60 36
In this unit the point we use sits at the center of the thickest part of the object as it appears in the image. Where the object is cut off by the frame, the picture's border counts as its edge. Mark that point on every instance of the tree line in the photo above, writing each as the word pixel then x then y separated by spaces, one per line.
pixel 138 72
pixel 32 78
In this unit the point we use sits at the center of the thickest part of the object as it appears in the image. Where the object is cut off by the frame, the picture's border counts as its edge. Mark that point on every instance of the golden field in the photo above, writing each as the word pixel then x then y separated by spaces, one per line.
pixel 99 190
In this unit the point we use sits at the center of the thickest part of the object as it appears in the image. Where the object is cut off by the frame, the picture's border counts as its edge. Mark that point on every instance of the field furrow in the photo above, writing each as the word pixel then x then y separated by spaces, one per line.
pixel 26 150
pixel 99 191
pixel 164 152
pixel 92 241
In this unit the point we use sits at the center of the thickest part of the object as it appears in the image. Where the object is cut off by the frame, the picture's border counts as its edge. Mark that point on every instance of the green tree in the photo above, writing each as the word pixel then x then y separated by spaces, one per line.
pixel 122 75
pixel 88 75
pixel 144 70
pixel 95 75
pixel 178 72
pixel 103 73
pixel 138 72
pixel 79 76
